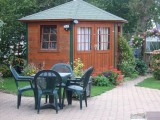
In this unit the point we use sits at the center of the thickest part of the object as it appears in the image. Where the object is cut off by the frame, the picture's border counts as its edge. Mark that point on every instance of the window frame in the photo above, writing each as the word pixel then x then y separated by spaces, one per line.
pixel 103 38
pixel 41 38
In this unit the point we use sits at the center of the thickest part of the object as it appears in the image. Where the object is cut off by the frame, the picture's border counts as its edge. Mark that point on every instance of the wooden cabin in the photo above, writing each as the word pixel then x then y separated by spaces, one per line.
pixel 73 30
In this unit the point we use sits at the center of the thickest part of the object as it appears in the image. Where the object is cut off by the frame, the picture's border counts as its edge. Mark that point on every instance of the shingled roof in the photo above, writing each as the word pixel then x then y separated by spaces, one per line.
pixel 76 9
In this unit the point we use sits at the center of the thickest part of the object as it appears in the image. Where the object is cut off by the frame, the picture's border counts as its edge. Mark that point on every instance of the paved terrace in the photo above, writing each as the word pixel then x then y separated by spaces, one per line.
pixel 116 104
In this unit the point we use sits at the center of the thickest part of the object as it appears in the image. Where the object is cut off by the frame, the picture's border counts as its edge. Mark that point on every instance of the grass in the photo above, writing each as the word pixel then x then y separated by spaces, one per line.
pixel 10 87
pixel 150 83
pixel 97 90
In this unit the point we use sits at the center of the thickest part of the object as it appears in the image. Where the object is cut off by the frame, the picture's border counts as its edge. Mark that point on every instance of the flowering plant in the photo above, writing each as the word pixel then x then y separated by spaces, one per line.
pixel 153 32
pixel 137 41
pixel 156 64
pixel 30 69
pixel 77 68
pixel 115 76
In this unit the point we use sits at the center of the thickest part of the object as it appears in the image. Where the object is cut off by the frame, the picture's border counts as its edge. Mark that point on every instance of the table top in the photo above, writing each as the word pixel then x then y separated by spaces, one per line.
pixel 63 75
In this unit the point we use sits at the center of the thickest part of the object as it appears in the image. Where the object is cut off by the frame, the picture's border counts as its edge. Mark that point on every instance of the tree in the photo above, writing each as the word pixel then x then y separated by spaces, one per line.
pixel 119 8
pixel 13 30
pixel 146 11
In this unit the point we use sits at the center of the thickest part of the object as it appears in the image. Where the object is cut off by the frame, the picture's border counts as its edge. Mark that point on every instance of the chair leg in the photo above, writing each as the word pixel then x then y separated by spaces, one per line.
pixel 64 91
pixel 60 98
pixel 56 104
pixel 85 98
pixel 18 100
pixel 35 99
pixel 69 97
pixel 38 104
pixel 80 99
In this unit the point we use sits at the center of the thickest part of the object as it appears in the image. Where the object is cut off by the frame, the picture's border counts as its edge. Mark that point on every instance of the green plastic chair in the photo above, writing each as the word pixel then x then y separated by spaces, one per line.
pixel 20 90
pixel 79 87
pixel 63 68
pixel 46 82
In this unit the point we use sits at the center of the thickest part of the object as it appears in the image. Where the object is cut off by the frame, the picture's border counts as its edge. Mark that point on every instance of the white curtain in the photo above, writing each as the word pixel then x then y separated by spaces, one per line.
pixel 102 38
pixel 83 38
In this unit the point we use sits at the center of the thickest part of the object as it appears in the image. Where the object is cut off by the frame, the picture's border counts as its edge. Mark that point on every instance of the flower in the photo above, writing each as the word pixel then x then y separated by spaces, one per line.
pixel 153 32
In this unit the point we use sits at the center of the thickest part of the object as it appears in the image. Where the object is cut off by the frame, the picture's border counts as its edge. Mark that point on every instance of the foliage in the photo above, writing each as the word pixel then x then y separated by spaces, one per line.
pixel 123 6
pixel 156 64
pixel 145 11
pixel 12 38
pixel 126 61
pixel 114 75
pixel 78 67
pixel 4 69
pixel 141 67
pixel 30 69
pixel 100 80
pixel 18 64
pixel 137 41
pixel 153 32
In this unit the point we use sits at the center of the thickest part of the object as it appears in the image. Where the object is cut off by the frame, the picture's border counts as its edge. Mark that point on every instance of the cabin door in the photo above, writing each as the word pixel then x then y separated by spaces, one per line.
pixel 93 44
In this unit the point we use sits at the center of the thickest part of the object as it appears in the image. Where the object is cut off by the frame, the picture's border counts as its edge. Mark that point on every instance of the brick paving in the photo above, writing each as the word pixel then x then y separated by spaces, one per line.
pixel 116 104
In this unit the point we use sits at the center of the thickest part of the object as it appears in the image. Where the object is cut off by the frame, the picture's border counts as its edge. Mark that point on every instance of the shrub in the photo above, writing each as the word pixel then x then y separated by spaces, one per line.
pixel 101 81
pixel 18 64
pixel 114 76
pixel 156 64
pixel 127 69
pixel 141 67
pixel 77 68
pixel 137 42
pixel 126 61
pixel 4 69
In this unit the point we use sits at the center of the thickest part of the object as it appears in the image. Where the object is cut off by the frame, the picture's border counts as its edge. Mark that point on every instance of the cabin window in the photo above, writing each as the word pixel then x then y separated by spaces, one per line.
pixel 84 38
pixel 103 38
pixel 48 37
pixel 119 29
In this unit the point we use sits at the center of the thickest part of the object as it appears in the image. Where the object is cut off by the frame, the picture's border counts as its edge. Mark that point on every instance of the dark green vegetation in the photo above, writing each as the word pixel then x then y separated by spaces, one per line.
pixel 150 83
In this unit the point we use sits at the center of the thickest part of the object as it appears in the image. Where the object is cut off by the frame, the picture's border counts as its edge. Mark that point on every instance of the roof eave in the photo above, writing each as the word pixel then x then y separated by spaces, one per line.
pixel 69 19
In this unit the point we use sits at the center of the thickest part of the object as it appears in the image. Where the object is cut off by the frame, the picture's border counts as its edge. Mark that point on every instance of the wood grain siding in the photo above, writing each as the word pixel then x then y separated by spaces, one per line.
pixel 50 57
pixel 100 59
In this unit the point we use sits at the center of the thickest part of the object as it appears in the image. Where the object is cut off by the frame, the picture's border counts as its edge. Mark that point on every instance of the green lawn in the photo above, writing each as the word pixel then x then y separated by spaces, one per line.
pixel 10 87
pixel 150 83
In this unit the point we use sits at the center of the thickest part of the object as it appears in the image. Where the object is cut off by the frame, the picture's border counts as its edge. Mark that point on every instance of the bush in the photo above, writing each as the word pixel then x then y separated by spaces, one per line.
pixel 78 67
pixel 101 81
pixel 141 67
pixel 126 61
pixel 156 64
pixel 4 69
pixel 137 42
pixel 18 64
pixel 114 76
